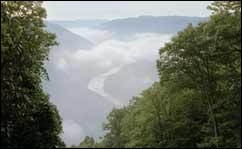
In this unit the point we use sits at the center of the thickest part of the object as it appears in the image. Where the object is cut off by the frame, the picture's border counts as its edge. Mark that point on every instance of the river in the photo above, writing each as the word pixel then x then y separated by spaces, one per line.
pixel 96 84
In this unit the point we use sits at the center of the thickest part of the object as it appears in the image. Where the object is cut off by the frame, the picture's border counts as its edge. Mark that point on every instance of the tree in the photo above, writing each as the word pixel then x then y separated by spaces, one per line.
pixel 88 142
pixel 113 138
pixel 207 59
pixel 28 119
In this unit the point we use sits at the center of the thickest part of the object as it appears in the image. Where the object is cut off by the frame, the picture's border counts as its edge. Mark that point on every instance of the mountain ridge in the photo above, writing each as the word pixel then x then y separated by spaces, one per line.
pixel 68 39
pixel 144 23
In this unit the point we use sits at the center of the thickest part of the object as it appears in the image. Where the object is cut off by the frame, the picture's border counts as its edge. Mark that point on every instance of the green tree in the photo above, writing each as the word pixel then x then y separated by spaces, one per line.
pixel 113 138
pixel 28 119
pixel 88 142
pixel 207 59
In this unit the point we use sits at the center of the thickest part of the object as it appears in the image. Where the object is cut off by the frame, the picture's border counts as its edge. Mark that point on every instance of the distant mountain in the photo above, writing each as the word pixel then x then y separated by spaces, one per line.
pixel 159 24
pixel 80 23
pixel 66 39
pixel 141 24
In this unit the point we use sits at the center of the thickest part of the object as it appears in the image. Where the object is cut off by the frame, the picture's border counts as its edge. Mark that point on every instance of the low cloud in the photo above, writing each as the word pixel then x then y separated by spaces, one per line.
pixel 113 52
pixel 71 71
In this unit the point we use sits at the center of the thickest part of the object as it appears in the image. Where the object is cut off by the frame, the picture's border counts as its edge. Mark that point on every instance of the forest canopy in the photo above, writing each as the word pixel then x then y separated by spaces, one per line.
pixel 28 119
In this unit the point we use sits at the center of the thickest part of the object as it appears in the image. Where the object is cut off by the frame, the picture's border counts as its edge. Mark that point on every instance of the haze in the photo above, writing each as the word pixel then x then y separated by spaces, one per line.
pixel 123 9
pixel 100 64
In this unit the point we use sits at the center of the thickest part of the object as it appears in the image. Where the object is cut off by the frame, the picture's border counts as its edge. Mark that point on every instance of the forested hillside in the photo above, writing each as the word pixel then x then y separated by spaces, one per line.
pixel 28 119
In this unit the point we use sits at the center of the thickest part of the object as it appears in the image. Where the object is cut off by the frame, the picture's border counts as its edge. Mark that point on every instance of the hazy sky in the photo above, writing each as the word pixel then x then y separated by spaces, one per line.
pixel 70 10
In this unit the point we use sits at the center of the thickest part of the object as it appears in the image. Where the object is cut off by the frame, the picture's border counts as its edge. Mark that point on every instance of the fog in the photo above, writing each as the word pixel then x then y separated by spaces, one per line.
pixel 111 51
pixel 78 78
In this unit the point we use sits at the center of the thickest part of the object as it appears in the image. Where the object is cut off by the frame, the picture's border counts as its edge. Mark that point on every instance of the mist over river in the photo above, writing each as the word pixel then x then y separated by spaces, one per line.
pixel 87 83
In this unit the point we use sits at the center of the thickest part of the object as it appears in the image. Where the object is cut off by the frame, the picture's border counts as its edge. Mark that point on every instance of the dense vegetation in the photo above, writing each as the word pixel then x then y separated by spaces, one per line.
pixel 28 119
pixel 197 102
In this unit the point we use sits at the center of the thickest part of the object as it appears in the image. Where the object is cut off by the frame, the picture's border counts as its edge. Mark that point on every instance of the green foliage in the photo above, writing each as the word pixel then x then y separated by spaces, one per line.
pixel 28 119
pixel 207 59
pixel 197 102
pixel 113 138
pixel 88 142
